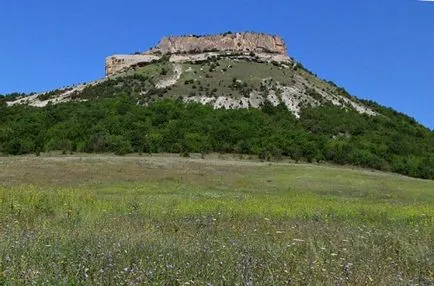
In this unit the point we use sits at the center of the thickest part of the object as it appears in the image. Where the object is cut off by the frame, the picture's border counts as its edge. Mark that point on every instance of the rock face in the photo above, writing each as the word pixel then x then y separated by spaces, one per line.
pixel 238 42
pixel 117 63
pixel 197 48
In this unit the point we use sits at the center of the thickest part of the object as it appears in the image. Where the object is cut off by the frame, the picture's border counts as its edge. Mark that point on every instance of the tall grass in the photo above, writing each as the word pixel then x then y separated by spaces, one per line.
pixel 230 225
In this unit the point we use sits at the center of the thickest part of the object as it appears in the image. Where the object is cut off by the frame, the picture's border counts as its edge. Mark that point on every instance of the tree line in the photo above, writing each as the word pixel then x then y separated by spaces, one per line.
pixel 390 141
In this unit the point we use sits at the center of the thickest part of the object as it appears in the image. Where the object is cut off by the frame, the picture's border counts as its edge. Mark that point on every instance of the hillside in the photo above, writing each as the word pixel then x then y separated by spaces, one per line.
pixel 227 93
pixel 231 71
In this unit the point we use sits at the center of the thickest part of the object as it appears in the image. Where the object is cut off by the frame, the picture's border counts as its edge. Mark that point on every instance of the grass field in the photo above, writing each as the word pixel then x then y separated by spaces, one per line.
pixel 166 220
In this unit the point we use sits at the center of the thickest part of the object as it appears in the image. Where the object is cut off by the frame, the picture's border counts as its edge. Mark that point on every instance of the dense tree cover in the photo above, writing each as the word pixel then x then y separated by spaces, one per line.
pixel 386 142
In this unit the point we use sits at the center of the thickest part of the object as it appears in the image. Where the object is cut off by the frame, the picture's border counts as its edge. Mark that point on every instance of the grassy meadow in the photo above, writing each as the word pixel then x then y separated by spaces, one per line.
pixel 166 220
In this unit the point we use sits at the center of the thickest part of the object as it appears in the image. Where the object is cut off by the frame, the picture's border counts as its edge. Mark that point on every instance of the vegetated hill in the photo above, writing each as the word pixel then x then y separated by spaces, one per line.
pixel 219 101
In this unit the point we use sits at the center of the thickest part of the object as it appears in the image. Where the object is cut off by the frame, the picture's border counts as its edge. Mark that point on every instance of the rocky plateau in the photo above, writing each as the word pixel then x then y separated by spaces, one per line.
pixel 256 64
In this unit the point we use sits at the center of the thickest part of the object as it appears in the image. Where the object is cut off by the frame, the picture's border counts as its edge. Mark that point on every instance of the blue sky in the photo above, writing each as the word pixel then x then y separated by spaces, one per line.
pixel 377 49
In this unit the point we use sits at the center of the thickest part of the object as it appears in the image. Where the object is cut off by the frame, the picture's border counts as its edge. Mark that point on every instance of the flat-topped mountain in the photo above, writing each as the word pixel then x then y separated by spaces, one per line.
pixel 232 92
pixel 231 71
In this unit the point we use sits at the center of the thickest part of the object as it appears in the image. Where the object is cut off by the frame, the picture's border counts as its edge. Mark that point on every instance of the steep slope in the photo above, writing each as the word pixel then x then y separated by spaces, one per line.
pixel 224 81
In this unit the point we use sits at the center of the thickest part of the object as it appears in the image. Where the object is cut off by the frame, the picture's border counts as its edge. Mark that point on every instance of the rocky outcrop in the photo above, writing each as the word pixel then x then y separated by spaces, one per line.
pixel 198 48
pixel 117 63
pixel 238 42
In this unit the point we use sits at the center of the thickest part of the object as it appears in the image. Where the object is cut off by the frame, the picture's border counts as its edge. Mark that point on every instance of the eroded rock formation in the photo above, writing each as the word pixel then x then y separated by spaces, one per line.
pixel 117 63
pixel 238 42
pixel 195 48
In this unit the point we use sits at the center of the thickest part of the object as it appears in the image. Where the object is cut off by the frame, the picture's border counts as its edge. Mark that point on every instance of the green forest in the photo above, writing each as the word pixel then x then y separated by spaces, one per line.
pixel 390 141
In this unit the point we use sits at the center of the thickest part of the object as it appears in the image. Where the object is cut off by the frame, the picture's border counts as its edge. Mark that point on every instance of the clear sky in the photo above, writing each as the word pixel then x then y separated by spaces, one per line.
pixel 377 49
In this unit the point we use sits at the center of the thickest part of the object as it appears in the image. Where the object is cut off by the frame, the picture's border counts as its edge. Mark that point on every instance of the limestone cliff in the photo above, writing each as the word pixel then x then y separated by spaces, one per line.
pixel 197 48
pixel 117 63
pixel 238 42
